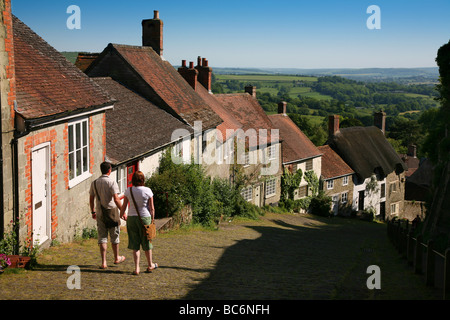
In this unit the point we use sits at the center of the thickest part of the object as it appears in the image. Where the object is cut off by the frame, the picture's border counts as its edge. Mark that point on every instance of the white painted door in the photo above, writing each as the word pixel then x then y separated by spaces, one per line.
pixel 257 191
pixel 40 178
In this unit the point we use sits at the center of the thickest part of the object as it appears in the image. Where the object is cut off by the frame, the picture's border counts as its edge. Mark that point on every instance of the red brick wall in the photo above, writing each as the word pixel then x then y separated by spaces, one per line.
pixel 30 142
pixel 66 155
pixel 9 48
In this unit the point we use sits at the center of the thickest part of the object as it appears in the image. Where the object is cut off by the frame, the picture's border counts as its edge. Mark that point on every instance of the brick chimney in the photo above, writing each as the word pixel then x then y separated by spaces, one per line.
pixel 251 90
pixel 282 107
pixel 379 121
pixel 333 125
pixel 189 74
pixel 152 33
pixel 204 73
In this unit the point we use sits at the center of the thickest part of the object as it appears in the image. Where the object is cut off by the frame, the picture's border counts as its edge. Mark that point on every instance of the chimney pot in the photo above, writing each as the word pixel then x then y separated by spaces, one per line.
pixel 190 75
pixel 204 73
pixel 183 63
pixel 152 33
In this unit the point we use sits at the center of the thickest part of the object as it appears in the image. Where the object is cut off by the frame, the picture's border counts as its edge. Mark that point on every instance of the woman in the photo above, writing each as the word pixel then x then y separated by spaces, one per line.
pixel 136 234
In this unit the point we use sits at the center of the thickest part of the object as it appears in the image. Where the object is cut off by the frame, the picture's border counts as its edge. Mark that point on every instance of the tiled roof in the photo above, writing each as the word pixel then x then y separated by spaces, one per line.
pixel 296 145
pixel 46 83
pixel 135 126
pixel 246 110
pixel 169 85
pixel 332 165
pixel 412 163
pixel 229 122
pixel 366 151
pixel 84 60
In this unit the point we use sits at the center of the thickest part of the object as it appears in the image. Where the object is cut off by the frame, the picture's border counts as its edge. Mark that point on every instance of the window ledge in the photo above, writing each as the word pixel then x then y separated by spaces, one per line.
pixel 79 179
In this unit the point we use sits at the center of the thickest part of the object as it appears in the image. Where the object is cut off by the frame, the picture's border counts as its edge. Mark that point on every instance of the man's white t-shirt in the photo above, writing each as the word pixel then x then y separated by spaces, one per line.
pixel 142 195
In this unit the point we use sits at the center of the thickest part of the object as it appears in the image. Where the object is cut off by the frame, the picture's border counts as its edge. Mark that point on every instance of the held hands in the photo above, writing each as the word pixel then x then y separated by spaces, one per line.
pixel 124 216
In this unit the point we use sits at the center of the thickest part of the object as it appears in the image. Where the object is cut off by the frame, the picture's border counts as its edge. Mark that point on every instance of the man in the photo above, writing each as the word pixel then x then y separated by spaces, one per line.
pixel 108 192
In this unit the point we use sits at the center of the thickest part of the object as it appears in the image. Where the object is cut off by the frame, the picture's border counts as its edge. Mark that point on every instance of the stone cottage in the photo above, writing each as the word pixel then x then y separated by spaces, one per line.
pixel 336 181
pixel 298 152
pixel 258 147
pixel 379 179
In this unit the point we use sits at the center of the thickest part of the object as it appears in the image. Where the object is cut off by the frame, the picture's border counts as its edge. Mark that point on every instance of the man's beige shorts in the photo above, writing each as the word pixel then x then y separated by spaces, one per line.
pixel 114 233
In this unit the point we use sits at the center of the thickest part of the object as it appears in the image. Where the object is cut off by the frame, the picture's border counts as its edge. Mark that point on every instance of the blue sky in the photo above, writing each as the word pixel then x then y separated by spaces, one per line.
pixel 275 34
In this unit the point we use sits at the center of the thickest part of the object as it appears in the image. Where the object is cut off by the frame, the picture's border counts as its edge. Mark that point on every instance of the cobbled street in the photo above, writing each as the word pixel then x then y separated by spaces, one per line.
pixel 279 257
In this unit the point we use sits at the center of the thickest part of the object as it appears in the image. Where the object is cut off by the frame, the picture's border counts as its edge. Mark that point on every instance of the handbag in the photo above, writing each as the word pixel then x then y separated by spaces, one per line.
pixel 109 216
pixel 149 229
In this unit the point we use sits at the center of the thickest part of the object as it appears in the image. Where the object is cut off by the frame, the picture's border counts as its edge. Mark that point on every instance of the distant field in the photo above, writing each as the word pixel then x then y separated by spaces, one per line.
pixel 71 56
pixel 268 78
pixel 269 83
pixel 316 95
pixel 409 112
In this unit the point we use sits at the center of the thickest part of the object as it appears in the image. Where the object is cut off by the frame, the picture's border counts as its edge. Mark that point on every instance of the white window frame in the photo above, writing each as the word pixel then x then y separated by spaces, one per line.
pixel 247 193
pixel 309 165
pixel 345 180
pixel 344 197
pixel 122 178
pixel 78 151
pixel 272 152
pixel 247 159
pixel 395 208
pixel 271 190
pixel 330 184
pixel 393 187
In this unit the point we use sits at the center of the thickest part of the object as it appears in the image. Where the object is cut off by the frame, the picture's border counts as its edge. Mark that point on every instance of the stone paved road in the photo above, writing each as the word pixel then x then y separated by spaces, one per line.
pixel 280 257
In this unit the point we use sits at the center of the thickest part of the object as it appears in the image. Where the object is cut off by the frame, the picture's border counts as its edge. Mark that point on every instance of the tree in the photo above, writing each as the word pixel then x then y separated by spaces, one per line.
pixel 438 146
pixel 351 122
pixel 289 183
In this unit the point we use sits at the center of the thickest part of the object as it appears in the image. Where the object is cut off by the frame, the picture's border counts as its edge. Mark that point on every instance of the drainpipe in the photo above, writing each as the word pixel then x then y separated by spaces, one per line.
pixel 15 170
pixel 15 177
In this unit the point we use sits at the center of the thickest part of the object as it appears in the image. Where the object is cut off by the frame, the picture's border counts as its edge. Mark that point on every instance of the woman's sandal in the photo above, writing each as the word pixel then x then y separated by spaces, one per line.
pixel 151 269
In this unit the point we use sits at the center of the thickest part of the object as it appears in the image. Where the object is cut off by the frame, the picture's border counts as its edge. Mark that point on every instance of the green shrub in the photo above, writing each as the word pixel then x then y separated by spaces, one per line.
pixel 188 184
pixel 321 205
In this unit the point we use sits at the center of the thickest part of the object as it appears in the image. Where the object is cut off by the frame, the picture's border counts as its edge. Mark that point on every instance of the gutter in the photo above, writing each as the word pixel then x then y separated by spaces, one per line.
pixel 35 124
pixel 150 152
pixel 303 159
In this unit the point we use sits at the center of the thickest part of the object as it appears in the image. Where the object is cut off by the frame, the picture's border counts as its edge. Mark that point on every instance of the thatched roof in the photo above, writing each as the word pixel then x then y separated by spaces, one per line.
pixel 366 151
